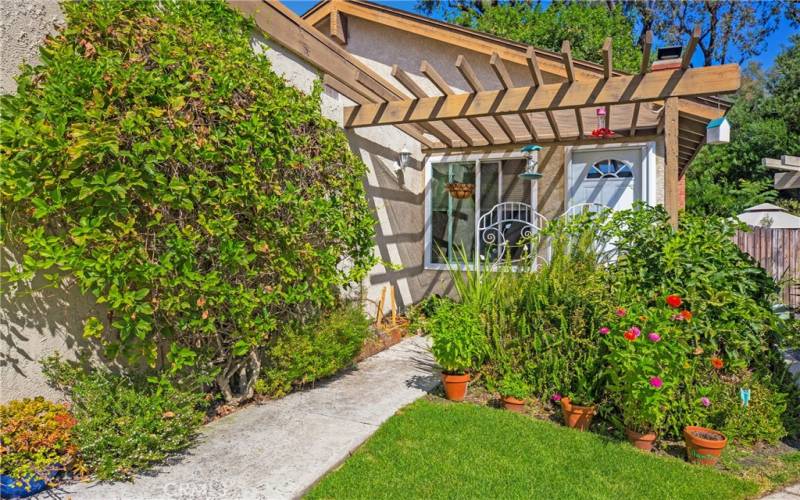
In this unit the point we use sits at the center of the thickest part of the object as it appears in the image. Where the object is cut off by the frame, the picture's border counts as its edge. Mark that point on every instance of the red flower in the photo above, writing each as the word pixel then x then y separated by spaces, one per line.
pixel 717 363
pixel 674 301
pixel 686 315
pixel 630 335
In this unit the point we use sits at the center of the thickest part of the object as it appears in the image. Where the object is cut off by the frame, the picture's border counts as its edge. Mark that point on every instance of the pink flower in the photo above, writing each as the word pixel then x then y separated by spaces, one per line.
pixel 654 337
pixel 656 382
pixel 556 398
pixel 621 312
pixel 635 331
pixel 705 401
pixel 604 330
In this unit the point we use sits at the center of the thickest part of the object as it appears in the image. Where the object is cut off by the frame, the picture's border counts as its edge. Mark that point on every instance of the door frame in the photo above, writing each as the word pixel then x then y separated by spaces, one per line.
pixel 646 182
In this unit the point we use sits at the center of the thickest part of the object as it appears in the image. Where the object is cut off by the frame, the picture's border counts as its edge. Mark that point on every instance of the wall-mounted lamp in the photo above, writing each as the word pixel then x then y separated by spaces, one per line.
pixel 531 152
pixel 404 157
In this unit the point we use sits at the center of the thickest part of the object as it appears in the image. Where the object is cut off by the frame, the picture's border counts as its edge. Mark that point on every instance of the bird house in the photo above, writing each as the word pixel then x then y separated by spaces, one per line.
pixel 718 131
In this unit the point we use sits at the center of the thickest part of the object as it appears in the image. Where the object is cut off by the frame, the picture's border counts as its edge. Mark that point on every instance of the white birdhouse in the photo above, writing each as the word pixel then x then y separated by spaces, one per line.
pixel 718 131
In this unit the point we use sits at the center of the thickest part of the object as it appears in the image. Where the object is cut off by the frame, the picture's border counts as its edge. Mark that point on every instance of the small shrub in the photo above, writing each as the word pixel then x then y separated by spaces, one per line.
pixel 125 425
pixel 37 439
pixel 304 353
pixel 459 342
pixel 514 385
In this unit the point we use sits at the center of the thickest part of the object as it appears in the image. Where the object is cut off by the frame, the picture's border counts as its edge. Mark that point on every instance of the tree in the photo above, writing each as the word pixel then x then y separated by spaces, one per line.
pixel 765 122
pixel 586 25
pixel 727 27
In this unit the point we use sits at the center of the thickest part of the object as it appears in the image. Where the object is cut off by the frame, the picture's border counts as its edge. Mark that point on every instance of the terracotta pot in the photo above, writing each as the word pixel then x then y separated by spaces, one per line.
pixel 641 441
pixel 460 190
pixel 513 404
pixel 700 449
pixel 577 417
pixel 455 386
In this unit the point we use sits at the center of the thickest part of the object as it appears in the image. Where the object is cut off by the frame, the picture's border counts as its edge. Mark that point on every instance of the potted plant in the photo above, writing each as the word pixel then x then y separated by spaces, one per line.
pixel 703 445
pixel 458 344
pixel 577 404
pixel 647 348
pixel 513 391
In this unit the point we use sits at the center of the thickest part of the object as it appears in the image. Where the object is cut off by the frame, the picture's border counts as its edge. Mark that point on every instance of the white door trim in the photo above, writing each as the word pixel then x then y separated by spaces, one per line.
pixel 647 179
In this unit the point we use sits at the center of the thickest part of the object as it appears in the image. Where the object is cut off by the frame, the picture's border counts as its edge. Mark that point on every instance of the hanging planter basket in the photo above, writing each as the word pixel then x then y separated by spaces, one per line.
pixel 460 190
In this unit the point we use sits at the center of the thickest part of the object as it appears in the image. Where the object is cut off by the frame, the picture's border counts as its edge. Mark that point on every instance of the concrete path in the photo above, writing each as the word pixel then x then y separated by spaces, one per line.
pixel 281 448
pixel 789 493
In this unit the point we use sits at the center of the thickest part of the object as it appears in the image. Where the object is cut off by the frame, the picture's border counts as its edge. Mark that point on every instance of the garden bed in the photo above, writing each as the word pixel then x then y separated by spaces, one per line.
pixel 436 449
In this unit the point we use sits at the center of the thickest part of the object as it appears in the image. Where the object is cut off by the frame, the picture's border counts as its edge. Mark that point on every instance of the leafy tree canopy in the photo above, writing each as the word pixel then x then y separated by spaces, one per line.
pixel 765 122
pixel 160 161
pixel 585 24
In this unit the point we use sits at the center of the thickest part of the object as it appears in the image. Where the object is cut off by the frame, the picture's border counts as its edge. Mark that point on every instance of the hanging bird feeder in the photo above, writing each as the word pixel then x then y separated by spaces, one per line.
pixel 602 130
pixel 532 163
pixel 718 131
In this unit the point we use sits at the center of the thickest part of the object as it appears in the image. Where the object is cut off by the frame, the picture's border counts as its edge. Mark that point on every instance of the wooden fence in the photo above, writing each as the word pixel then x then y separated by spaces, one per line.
pixel 778 252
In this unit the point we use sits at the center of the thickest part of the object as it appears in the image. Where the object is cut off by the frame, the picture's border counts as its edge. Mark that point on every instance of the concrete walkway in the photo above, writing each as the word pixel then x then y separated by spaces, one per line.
pixel 789 493
pixel 281 448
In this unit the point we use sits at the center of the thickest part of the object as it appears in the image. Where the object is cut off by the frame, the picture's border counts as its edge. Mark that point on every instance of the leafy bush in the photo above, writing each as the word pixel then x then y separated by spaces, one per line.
pixel 36 438
pixel 159 160
pixel 306 352
pixel 125 425
pixel 459 342
pixel 543 323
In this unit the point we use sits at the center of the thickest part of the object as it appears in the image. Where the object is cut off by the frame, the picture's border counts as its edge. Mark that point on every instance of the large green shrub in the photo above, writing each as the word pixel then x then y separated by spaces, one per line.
pixel 306 352
pixel 160 161
pixel 125 424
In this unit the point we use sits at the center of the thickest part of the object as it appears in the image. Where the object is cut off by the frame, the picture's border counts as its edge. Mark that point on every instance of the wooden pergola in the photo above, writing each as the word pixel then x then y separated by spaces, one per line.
pixel 677 103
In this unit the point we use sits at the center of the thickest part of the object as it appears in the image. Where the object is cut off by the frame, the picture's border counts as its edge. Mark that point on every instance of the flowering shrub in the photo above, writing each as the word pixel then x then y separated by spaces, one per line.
pixel 36 438
pixel 645 369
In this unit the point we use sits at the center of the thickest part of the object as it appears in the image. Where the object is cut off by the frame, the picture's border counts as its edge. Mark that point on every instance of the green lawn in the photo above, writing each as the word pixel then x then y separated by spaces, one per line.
pixel 443 450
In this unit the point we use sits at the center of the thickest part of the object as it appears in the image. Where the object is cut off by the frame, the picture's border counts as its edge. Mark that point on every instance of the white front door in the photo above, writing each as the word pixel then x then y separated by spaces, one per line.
pixel 610 177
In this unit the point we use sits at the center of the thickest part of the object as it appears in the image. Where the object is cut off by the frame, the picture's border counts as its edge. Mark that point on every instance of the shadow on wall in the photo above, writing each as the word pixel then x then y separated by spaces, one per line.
pixel 397 197
pixel 35 322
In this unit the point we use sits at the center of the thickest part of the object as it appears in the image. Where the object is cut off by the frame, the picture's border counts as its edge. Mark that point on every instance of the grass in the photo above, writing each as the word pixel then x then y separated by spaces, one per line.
pixel 435 449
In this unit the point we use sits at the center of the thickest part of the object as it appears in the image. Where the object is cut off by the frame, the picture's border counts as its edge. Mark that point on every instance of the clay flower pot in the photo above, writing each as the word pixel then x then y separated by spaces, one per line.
pixel 577 417
pixel 460 190
pixel 455 385
pixel 703 446
pixel 513 404
pixel 641 441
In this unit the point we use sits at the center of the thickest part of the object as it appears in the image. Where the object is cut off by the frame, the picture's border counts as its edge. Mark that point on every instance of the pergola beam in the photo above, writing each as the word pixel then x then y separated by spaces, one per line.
pixel 440 83
pixel 647 46
pixel 415 90
pixel 608 67
pixel 686 61
pixel 566 56
pixel 627 89
pixel 505 80
pixel 475 84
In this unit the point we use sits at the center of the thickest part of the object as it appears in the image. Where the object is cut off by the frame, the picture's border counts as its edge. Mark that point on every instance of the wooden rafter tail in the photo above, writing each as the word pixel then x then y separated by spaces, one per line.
pixel 635 118
pixel 338 27
pixel 533 67
pixel 647 46
pixel 439 82
pixel 505 81
pixel 689 51
pixel 566 56
pixel 579 122
pixel 551 119
pixel 618 90
pixel 414 89
pixel 608 66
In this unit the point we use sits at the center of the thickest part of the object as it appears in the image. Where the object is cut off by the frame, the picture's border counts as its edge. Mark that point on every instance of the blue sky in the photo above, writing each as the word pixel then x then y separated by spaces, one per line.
pixel 775 42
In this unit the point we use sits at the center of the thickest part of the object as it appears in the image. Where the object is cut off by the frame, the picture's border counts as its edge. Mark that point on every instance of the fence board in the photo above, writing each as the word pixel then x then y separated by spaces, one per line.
pixel 778 252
